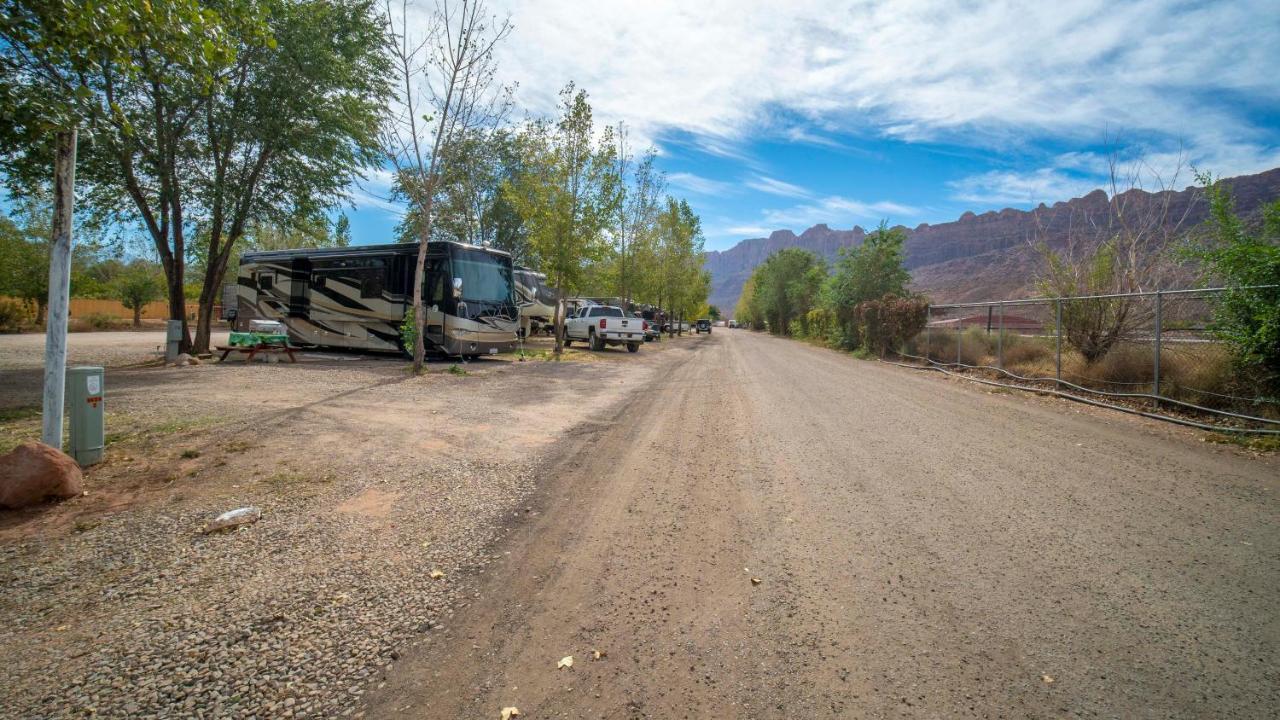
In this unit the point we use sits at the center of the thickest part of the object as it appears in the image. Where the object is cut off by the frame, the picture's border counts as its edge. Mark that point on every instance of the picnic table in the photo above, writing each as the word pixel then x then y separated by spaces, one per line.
pixel 251 344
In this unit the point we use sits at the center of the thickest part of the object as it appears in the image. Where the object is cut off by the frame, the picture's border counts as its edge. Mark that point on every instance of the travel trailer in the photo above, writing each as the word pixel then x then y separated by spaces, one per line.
pixel 357 297
pixel 536 299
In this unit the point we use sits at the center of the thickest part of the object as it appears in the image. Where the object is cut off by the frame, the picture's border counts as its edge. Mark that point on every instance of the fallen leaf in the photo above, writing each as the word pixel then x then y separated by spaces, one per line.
pixel 566 661
pixel 510 712
pixel 755 581
pixel 60 628
pixel 598 654
pixel 1048 680
pixel 436 574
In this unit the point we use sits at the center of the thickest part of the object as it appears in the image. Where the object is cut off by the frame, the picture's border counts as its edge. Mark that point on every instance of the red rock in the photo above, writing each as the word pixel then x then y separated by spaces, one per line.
pixel 34 472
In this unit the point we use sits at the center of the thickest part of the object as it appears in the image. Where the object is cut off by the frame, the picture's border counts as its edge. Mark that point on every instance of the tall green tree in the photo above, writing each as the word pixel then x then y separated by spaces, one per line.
pixel 865 272
pixel 1246 258
pixel 445 84
pixel 641 187
pixel 786 286
pixel 297 120
pixel 566 194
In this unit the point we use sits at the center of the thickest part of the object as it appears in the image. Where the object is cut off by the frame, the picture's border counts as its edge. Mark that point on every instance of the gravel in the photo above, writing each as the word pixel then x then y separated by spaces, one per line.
pixel 264 621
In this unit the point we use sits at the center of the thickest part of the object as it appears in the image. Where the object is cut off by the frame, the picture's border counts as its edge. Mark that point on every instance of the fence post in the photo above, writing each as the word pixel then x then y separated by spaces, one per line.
pixel 1000 340
pixel 928 320
pixel 1057 361
pixel 1156 362
pixel 959 337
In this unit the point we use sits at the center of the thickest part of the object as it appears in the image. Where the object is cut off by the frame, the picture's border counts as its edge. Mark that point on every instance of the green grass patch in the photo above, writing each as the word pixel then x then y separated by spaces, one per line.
pixel 1258 443
pixel 22 413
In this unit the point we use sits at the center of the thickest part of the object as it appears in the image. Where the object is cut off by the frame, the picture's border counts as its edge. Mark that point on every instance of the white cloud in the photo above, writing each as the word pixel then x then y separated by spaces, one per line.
pixel 985 74
pixel 375 192
pixel 1074 174
pixel 774 186
pixel 835 210
pixel 698 184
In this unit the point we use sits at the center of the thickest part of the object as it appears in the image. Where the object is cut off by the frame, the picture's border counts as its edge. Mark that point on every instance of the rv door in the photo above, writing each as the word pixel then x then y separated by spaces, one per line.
pixel 300 288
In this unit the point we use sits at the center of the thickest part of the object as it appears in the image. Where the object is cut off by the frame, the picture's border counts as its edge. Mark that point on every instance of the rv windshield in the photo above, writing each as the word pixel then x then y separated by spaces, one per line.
pixel 485 277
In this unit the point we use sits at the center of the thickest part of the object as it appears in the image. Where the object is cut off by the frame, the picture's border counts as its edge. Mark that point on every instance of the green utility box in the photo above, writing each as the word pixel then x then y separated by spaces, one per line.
pixel 85 396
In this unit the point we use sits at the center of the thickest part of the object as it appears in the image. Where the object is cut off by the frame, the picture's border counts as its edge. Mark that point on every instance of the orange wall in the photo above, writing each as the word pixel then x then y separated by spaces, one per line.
pixel 158 310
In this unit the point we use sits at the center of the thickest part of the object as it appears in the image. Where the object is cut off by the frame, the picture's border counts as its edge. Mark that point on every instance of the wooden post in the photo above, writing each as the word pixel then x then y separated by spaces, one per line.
pixel 55 327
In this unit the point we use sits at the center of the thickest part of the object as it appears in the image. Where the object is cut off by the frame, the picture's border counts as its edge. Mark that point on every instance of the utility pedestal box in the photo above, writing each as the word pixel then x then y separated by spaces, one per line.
pixel 85 396
pixel 173 340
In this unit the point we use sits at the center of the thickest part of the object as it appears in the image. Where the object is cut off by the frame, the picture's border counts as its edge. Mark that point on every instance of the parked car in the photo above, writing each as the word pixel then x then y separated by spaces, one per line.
pixel 601 325
pixel 703 326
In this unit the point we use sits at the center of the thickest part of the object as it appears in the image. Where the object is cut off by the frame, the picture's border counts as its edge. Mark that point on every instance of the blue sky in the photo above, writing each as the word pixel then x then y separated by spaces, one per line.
pixel 771 115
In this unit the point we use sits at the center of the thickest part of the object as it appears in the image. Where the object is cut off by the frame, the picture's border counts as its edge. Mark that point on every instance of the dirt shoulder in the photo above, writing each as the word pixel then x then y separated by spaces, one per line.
pixel 923 549
pixel 369 480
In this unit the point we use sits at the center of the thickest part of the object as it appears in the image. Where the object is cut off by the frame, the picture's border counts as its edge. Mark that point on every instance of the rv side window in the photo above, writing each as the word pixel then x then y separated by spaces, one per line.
pixel 434 271
pixel 266 280
pixel 371 284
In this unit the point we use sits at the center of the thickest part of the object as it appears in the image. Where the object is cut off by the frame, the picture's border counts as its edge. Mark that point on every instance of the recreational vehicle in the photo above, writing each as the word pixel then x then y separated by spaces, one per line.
pixel 536 299
pixel 357 297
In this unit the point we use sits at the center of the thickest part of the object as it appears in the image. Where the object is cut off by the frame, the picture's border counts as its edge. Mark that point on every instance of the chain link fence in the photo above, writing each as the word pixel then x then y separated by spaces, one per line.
pixel 1152 353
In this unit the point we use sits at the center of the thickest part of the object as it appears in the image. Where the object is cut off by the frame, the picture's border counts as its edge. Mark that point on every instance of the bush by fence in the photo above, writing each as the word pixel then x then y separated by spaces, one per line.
pixel 1172 354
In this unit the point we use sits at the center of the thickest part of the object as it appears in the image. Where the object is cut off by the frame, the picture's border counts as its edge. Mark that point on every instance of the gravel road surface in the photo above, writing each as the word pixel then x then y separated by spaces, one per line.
pixel 780 531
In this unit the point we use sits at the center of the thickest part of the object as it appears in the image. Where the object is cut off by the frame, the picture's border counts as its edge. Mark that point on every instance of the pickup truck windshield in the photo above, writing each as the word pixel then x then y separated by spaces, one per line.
pixel 607 312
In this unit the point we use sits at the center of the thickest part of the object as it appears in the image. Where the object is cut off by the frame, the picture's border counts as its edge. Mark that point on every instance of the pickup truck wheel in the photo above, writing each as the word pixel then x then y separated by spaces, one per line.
pixel 633 347
pixel 595 342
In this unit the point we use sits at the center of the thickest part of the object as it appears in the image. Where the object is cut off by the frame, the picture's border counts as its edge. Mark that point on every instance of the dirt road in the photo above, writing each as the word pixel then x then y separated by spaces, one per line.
pixel 923 549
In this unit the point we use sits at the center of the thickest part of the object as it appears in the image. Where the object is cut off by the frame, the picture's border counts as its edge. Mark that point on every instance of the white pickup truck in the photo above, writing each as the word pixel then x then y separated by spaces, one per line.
pixel 601 325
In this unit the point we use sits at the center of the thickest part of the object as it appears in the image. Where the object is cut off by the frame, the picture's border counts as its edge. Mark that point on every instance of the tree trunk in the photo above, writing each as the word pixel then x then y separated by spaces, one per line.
pixel 137 315
pixel 55 329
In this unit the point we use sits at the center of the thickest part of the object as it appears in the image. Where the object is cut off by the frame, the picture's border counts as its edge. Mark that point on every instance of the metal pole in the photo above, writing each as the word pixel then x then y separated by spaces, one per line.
pixel 1058 348
pixel 1000 341
pixel 1156 362
pixel 55 326
pixel 959 337
pixel 928 319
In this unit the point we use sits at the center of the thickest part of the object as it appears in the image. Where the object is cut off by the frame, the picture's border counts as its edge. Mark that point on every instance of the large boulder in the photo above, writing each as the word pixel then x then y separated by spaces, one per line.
pixel 33 473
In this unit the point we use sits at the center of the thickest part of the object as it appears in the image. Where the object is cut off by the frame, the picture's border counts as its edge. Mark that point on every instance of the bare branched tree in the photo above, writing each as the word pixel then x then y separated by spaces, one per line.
pixel 1113 248
pixel 446 92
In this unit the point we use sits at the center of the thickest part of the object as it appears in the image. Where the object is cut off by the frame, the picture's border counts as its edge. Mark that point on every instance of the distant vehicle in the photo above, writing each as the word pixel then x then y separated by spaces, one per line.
pixel 703 326
pixel 719 323
pixel 601 325
pixel 357 297
pixel 652 332
pixel 733 324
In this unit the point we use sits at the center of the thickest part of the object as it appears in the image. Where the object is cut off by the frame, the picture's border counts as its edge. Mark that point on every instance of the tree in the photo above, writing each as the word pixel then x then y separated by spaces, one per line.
pixel 140 284
pixel 341 232
pixel 50 55
pixel 1113 250
pixel 713 312
pixel 681 285
pixel 1246 259
pixel 297 120
pixel 446 80
pixel 745 311
pixel 865 272
pixel 566 194
pixel 786 286
pixel 641 187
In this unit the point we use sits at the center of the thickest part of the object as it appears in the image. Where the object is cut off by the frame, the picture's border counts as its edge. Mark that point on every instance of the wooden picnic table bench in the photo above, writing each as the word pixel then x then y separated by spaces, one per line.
pixel 252 350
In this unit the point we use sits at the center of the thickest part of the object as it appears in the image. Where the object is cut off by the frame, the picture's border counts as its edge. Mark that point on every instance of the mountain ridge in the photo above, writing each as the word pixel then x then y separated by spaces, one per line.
pixel 979 256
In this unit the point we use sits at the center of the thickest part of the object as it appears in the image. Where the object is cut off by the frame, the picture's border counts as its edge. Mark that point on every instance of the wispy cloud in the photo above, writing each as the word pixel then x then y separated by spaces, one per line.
pixel 773 186
pixel 912 69
pixel 835 210
pixel 374 192
pixel 698 184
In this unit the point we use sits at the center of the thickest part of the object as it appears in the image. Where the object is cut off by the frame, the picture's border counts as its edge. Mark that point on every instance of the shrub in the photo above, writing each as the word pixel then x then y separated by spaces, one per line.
pixel 101 321
pixel 1019 350
pixel 887 323
pixel 13 315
